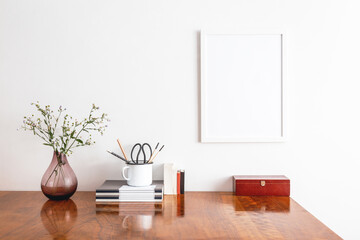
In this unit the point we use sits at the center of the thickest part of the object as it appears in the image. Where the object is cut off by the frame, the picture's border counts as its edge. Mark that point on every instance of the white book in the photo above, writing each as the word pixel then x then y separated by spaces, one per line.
pixel 139 198
pixel 107 194
pixel 150 188
pixel 170 181
pixel 118 200
pixel 140 194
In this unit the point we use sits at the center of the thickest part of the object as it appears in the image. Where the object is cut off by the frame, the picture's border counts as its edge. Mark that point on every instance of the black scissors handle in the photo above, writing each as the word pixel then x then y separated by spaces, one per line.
pixel 137 156
pixel 141 149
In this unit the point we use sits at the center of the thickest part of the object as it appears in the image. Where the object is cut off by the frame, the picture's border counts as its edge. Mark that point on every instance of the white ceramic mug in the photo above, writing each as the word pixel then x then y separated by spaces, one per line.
pixel 139 175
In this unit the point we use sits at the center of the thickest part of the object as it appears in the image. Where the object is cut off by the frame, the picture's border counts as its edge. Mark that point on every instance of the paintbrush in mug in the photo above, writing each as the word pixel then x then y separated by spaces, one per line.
pixel 114 154
pixel 151 160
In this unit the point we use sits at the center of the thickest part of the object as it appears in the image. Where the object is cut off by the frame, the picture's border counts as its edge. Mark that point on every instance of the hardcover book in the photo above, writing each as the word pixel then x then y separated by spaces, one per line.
pixel 119 191
pixel 170 179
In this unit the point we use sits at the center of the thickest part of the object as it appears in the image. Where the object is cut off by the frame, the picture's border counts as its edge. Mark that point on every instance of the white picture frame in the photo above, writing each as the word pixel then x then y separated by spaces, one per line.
pixel 242 88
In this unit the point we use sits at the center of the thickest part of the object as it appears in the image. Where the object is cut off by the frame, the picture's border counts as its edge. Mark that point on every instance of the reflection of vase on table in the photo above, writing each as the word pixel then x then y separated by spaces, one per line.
pixel 59 217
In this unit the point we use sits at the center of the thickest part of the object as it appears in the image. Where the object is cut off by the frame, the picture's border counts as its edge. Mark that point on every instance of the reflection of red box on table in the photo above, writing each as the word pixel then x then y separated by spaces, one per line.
pixel 261 185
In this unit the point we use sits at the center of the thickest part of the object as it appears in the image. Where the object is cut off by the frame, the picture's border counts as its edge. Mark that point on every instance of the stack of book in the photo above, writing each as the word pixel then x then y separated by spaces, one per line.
pixel 119 191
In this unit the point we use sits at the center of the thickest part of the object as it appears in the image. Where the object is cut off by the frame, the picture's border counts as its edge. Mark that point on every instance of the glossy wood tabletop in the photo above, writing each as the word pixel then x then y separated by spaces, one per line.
pixel 195 215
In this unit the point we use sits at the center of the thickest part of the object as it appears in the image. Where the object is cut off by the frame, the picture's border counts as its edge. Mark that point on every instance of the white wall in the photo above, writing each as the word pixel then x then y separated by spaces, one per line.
pixel 139 60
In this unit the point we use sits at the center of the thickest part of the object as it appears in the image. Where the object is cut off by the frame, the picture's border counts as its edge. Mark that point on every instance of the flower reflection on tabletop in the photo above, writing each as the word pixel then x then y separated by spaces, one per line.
pixel 59 180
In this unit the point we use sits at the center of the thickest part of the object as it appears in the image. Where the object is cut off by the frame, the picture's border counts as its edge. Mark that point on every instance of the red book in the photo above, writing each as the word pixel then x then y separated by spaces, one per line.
pixel 261 185
pixel 178 182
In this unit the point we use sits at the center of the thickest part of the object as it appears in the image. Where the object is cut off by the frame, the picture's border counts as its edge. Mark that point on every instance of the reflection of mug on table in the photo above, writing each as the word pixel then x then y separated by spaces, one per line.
pixel 137 222
pixel 138 175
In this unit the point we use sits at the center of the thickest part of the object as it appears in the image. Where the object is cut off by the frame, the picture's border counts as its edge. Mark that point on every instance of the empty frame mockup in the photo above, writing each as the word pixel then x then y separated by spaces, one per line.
pixel 242 88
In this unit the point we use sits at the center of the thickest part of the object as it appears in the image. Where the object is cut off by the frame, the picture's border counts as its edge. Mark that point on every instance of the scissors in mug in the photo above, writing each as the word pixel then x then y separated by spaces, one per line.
pixel 141 150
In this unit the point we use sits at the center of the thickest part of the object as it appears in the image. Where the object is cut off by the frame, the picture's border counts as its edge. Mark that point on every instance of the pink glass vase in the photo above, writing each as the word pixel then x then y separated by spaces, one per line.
pixel 59 181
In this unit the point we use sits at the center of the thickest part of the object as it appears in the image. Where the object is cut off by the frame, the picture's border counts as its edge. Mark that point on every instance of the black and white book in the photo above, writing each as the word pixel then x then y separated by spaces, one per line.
pixel 111 186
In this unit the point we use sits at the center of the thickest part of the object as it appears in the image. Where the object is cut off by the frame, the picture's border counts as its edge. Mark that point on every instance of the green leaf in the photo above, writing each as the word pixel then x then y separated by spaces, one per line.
pixel 72 134
pixel 79 140
pixel 62 140
pixel 48 144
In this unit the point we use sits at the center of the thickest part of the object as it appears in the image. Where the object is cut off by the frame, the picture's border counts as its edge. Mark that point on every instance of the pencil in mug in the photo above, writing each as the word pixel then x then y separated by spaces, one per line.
pixel 152 154
pixel 122 150
pixel 151 160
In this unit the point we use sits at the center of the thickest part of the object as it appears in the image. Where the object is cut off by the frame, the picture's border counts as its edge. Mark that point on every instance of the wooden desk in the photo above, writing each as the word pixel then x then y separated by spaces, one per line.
pixel 197 215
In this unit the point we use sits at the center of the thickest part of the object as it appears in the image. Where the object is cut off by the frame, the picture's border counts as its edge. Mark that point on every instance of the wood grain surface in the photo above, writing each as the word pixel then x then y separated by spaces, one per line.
pixel 195 215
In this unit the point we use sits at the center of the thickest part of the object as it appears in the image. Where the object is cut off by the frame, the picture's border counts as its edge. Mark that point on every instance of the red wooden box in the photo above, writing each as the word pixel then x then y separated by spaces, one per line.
pixel 261 185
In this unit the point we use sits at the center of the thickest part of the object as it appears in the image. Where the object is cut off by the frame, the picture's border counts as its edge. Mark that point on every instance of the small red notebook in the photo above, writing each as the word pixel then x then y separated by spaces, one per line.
pixel 261 185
